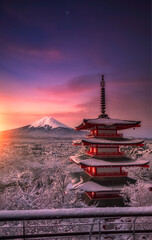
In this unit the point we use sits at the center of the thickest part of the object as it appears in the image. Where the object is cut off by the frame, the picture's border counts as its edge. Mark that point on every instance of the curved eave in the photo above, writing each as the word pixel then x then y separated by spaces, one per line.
pixel 119 126
pixel 106 186
pixel 80 127
pixel 96 141
pixel 92 186
pixel 92 162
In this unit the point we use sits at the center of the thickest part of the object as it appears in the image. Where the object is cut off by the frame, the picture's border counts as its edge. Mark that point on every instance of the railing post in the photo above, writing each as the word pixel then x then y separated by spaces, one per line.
pixel 96 225
pixel 134 230
pixel 99 230
pixel 91 229
pixel 24 229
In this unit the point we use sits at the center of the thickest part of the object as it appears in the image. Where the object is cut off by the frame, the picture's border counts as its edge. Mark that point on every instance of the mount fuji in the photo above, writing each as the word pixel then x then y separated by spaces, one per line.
pixel 46 127
pixel 48 123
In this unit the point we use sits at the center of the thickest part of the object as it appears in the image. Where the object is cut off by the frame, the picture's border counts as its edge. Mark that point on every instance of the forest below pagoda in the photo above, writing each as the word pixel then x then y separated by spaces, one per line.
pixel 40 175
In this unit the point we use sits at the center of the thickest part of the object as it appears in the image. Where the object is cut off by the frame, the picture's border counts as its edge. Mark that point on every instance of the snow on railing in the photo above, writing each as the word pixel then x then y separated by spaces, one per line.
pixel 84 222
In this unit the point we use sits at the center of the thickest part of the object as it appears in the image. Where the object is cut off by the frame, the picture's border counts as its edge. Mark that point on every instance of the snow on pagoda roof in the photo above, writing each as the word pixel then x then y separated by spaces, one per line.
pixel 123 161
pixel 107 142
pixel 88 123
pixel 106 186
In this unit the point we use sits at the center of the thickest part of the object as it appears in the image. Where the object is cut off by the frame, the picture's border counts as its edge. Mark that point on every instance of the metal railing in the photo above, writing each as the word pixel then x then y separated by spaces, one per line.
pixel 65 223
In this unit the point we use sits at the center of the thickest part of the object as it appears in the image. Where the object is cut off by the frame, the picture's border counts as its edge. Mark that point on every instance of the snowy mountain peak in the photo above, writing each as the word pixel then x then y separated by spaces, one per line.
pixel 48 122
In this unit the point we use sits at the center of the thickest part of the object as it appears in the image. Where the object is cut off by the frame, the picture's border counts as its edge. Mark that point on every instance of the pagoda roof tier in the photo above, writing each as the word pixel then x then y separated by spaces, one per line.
pixel 122 161
pixel 108 122
pixel 110 185
pixel 99 141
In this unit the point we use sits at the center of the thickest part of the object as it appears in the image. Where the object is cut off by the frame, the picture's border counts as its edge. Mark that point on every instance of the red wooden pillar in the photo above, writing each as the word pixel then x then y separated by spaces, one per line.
pixel 118 150
pixel 96 149
pixel 94 171
pixel 97 130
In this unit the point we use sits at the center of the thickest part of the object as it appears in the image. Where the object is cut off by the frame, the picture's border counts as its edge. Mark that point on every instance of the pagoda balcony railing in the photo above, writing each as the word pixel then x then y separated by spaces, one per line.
pixel 94 196
pixel 123 174
pixel 86 223
pixel 105 135
pixel 104 154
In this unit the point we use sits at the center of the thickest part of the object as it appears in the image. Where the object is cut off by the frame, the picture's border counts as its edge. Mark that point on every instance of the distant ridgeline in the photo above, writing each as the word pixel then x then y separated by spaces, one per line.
pixel 46 127
pixel 103 161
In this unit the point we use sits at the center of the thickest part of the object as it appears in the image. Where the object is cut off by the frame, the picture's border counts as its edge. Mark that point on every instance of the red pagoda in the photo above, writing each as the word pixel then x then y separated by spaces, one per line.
pixel 104 161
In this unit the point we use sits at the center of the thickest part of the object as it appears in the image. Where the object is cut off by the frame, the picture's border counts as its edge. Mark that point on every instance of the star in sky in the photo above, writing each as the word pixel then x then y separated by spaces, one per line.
pixel 67 12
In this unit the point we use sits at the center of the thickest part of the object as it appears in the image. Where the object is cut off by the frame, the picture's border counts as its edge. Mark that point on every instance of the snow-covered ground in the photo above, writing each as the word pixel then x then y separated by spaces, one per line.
pixel 38 174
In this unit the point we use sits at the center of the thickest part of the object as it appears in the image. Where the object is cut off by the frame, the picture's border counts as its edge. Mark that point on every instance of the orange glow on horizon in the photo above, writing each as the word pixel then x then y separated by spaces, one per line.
pixel 69 105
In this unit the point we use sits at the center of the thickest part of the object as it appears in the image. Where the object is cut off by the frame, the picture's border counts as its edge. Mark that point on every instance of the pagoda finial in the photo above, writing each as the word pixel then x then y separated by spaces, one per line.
pixel 103 101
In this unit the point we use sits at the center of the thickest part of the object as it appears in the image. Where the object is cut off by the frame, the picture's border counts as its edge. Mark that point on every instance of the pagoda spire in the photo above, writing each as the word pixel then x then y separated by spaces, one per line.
pixel 103 99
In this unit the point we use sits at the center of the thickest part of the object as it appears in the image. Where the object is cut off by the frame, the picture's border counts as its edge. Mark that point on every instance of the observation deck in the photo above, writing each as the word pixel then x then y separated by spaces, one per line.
pixel 84 222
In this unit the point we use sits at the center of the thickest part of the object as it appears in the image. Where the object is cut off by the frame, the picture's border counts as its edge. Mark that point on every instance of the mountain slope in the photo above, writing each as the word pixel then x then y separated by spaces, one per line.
pixel 46 127
pixel 47 123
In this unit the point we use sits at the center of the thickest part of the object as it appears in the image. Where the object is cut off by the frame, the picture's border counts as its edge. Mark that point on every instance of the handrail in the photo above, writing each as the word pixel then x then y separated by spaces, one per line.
pixel 101 218
pixel 13 215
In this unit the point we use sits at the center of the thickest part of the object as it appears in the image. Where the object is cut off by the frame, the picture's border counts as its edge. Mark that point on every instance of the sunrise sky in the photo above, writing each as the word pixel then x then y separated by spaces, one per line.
pixel 53 52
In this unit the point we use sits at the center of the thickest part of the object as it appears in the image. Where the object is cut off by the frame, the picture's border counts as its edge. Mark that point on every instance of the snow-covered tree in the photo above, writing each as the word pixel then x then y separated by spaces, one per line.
pixel 31 180
pixel 137 194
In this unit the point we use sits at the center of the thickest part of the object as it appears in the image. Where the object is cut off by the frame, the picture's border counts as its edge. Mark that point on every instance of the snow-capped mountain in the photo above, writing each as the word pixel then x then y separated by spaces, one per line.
pixel 46 127
pixel 48 123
